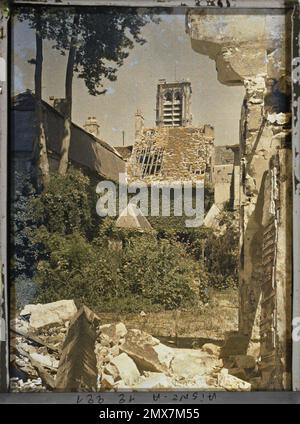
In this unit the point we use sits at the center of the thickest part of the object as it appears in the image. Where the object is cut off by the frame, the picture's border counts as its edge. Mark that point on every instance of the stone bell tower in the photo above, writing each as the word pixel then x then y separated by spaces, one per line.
pixel 173 104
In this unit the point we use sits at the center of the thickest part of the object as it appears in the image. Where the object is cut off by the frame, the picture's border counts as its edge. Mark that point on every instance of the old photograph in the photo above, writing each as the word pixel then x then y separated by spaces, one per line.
pixel 150 200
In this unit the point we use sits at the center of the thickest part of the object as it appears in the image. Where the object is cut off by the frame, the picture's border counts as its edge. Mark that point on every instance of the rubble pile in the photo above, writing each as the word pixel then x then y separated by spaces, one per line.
pixel 57 347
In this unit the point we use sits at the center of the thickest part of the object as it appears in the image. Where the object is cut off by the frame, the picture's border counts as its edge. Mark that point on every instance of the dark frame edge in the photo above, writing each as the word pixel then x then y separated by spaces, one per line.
pixel 4 19
pixel 4 358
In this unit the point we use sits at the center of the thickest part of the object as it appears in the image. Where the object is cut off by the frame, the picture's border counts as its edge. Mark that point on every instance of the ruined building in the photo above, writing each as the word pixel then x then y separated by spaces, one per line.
pixel 174 150
pixel 88 152
pixel 258 61
pixel 226 176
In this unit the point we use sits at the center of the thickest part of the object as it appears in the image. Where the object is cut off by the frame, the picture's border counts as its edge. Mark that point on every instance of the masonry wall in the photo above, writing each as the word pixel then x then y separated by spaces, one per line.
pixel 184 154
pixel 258 60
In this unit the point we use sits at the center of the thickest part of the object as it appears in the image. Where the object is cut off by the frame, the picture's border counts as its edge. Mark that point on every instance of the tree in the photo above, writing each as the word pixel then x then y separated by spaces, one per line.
pixel 98 41
pixel 37 20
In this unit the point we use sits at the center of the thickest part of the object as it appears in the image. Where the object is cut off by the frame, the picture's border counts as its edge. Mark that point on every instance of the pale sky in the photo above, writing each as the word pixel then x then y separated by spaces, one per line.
pixel 167 54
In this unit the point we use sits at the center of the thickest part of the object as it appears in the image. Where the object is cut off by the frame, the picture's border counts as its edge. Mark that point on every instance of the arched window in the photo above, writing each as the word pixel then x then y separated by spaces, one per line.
pixel 168 96
pixel 177 96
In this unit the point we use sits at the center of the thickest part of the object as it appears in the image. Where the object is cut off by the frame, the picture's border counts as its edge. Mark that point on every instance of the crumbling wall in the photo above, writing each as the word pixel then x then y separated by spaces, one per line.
pixel 171 154
pixel 258 60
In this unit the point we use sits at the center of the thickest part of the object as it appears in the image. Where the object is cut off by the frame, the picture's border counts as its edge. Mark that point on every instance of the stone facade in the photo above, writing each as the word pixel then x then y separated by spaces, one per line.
pixel 171 154
pixel 258 61
pixel 173 104
pixel 173 150
pixel 226 176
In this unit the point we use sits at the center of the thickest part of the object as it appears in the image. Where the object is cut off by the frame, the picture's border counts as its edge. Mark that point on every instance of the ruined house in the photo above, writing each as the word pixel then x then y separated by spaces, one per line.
pixel 258 61
pixel 226 176
pixel 174 150
pixel 87 151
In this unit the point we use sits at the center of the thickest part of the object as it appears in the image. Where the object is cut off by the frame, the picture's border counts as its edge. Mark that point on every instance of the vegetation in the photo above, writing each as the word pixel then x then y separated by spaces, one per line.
pixel 83 257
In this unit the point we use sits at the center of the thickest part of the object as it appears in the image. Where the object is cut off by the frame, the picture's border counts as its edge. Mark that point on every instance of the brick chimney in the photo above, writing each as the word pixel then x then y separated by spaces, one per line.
pixel 139 123
pixel 91 126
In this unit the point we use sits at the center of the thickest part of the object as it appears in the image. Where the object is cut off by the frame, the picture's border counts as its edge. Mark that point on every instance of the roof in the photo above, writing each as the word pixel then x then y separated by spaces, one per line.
pixel 132 219
pixel 124 151
pixel 85 149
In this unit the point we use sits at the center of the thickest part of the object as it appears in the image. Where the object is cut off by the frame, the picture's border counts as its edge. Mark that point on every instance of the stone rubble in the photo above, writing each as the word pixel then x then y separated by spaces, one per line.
pixel 127 359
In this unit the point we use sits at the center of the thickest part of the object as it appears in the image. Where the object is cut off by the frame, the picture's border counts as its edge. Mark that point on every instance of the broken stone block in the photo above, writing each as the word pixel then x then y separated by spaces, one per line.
pixel 211 349
pixel 43 360
pixel 127 369
pixel 147 352
pixel 77 370
pixel 114 351
pixel 279 118
pixel 254 118
pixel 154 381
pixel 112 370
pixel 49 314
pixel 245 361
pixel 107 382
pixel 231 383
pixel 191 363
pixel 113 331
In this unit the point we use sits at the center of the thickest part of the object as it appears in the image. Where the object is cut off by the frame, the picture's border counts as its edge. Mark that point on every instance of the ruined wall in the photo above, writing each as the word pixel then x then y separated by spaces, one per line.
pixel 258 60
pixel 171 154
pixel 223 183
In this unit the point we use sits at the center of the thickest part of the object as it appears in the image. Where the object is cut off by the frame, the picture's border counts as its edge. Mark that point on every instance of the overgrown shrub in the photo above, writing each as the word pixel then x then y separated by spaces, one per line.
pixel 67 205
pixel 148 270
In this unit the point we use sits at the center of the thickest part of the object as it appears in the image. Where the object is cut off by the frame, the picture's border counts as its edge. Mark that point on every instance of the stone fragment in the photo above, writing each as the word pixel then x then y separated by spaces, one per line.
pixel 154 381
pixel 147 352
pixel 112 370
pixel 114 351
pixel 279 118
pixel 113 331
pixel 189 363
pixel 127 369
pixel 43 360
pixel 231 383
pixel 211 349
pixel 49 314
pixel 107 382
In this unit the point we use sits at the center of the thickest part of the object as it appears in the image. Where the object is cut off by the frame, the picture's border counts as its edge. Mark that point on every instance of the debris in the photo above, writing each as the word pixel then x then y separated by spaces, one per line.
pixel 147 352
pixel 81 355
pixel 127 369
pixel 112 370
pixel 231 383
pixel 107 382
pixel 189 363
pixel 155 381
pixel 211 349
pixel 36 340
pixel 43 360
pixel 77 370
pixel 114 331
pixel 49 314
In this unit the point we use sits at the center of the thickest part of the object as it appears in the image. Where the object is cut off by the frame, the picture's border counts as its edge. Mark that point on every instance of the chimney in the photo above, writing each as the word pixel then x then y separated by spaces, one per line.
pixel 91 126
pixel 139 123
pixel 58 104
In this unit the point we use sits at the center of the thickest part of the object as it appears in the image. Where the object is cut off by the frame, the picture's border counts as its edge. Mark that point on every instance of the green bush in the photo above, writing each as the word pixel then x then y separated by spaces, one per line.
pixel 67 205
pixel 154 272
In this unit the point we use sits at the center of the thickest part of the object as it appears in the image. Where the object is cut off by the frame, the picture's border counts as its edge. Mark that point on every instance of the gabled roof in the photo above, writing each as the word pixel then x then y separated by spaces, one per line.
pixel 132 219
pixel 85 149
